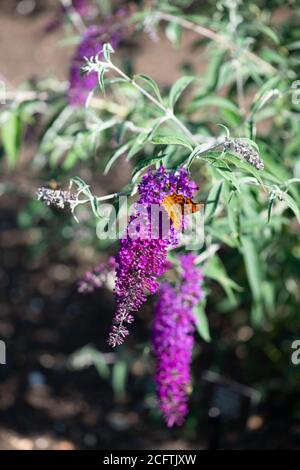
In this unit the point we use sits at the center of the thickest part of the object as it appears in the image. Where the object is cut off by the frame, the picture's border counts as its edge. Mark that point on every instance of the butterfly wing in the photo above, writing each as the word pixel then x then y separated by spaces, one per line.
pixel 177 205
pixel 173 206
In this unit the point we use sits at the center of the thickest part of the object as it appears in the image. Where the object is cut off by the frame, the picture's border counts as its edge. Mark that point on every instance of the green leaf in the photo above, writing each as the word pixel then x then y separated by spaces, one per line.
pixel 293 46
pixel 121 150
pixel 105 6
pixel 215 101
pixel 174 33
pixel 213 73
pixel 81 186
pixel 94 206
pixel 293 206
pixel 215 270
pixel 178 88
pixel 202 322
pixel 119 376
pixel 151 83
pixel 70 160
pixel 269 290
pixel 271 201
pixel 252 265
pixel 137 145
pixel 87 356
pixel 257 313
pixel 263 95
pixel 107 50
pixel 255 27
pixel 213 198
pixel 170 140
pixel 101 75
pixel 269 32
pixel 199 150
pixel 143 165
pixel 143 137
pixel 11 137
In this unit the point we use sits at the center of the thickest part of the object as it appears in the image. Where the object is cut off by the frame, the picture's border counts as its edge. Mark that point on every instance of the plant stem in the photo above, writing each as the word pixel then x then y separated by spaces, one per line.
pixel 210 34
pixel 239 85
pixel 168 112
pixel 233 31
pixel 99 199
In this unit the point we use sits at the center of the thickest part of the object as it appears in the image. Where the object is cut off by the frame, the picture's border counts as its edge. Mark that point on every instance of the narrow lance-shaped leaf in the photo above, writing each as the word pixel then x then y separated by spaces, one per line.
pixel 101 75
pixel 213 74
pixel 119 376
pixel 199 150
pixel 174 33
pixel 143 137
pixel 215 101
pixel 11 137
pixel 252 265
pixel 178 88
pixel 81 186
pixel 107 50
pixel 121 150
pixel 87 356
pixel 293 206
pixel 145 163
pixel 213 199
pixel 202 322
pixel 216 270
pixel 171 140
pixel 151 83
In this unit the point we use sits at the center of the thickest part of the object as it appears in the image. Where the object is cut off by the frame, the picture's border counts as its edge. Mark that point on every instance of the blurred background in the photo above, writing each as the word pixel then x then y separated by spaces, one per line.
pixel 62 386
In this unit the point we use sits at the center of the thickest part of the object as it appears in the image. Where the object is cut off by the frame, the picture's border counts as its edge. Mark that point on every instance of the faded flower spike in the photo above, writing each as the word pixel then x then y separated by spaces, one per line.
pixel 57 198
pixel 245 152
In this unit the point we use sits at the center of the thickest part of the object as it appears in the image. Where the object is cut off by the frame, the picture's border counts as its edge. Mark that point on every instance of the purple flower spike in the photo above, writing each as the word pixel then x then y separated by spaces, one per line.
pixel 91 44
pixel 173 340
pixel 142 258
pixel 96 278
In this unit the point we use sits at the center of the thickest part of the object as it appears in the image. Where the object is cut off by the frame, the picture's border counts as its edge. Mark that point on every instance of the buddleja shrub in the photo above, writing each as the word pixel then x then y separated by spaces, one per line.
pixel 198 148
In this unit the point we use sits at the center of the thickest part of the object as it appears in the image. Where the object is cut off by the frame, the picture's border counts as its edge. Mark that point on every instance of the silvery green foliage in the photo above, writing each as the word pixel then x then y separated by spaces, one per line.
pixel 235 127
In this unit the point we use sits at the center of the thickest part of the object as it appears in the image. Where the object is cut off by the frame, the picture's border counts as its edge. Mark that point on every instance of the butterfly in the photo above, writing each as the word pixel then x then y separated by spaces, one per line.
pixel 177 205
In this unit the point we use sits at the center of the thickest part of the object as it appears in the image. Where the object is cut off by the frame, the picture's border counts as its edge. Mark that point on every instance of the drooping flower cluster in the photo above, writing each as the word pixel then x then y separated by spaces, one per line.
pixel 173 340
pixel 98 277
pixel 91 45
pixel 142 258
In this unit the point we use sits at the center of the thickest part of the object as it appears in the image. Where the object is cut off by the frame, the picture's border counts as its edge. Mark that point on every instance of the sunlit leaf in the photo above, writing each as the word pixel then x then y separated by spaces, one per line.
pixel 11 137
pixel 151 84
pixel 178 88
pixel 202 322
pixel 170 140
